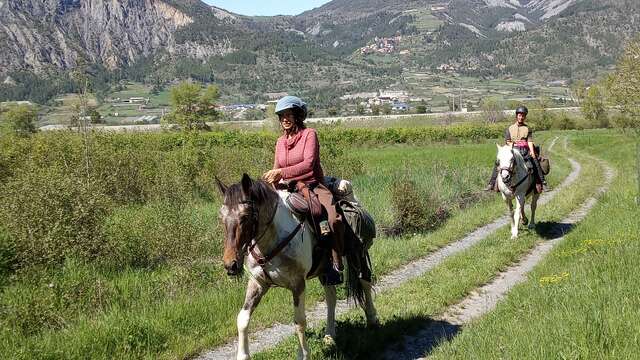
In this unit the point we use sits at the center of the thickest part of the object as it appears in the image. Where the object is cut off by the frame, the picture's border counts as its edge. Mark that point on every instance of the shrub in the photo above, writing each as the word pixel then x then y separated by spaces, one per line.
pixel 7 255
pixel 51 215
pixel 415 210
pixel 562 122
pixel 160 232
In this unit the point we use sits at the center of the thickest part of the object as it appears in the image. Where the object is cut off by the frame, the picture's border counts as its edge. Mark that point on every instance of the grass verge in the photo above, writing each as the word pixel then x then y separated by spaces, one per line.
pixel 581 301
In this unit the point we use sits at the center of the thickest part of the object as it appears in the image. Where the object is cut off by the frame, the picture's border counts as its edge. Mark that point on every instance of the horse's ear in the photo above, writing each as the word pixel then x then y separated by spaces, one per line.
pixel 222 187
pixel 247 183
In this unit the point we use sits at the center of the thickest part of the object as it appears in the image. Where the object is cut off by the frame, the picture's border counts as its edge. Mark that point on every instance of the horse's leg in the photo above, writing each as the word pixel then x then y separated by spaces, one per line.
pixel 534 204
pixel 369 310
pixel 330 331
pixel 509 203
pixel 523 216
pixel 255 291
pixel 516 216
pixel 300 320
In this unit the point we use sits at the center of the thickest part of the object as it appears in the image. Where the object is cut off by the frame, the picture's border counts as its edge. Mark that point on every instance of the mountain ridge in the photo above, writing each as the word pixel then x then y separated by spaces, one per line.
pixel 162 40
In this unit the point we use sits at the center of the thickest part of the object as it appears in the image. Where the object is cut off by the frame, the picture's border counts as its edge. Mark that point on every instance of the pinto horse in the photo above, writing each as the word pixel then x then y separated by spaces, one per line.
pixel 263 235
pixel 516 182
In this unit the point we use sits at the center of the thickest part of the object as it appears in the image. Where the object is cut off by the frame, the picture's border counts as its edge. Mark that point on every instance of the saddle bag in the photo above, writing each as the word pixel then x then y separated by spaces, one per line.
pixel 360 221
pixel 545 166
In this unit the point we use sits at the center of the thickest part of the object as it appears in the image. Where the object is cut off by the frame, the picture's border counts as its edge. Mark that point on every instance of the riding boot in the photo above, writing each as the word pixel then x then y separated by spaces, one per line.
pixel 540 176
pixel 494 177
pixel 337 252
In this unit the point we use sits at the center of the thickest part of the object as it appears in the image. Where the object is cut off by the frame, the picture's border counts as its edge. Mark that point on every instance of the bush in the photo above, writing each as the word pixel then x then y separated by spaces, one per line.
pixel 415 210
pixel 562 122
pixel 7 255
pixel 160 232
pixel 51 215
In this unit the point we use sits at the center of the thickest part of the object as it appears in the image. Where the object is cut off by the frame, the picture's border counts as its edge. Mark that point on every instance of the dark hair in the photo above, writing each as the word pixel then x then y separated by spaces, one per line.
pixel 299 117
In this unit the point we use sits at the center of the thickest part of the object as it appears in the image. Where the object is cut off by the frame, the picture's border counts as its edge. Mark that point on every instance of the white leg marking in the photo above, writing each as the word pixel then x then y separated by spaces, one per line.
pixel 243 337
pixel 516 218
pixel 301 324
pixel 330 331
pixel 251 300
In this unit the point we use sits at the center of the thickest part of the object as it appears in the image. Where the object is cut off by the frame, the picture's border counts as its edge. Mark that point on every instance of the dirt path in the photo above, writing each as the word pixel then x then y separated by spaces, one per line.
pixel 485 299
pixel 269 337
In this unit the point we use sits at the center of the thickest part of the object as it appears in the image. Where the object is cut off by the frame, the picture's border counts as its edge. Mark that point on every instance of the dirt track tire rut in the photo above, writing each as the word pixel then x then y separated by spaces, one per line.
pixel 485 299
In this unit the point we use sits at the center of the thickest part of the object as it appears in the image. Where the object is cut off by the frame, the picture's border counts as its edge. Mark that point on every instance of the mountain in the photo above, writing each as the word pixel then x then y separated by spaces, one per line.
pixel 158 41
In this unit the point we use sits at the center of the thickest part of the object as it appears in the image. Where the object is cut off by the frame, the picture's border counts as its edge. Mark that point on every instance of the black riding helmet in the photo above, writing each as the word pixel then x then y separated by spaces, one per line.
pixel 522 110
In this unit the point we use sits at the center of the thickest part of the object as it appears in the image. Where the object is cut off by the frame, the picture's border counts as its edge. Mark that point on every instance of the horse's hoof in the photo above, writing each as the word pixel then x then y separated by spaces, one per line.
pixel 329 341
pixel 514 237
pixel 524 221
pixel 532 226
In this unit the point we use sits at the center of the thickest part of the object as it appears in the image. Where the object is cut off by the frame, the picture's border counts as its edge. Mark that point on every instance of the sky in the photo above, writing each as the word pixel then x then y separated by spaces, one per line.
pixel 267 7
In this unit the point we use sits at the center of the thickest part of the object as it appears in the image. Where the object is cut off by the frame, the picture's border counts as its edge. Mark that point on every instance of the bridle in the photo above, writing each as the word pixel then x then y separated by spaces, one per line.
pixel 510 169
pixel 255 221
pixel 250 246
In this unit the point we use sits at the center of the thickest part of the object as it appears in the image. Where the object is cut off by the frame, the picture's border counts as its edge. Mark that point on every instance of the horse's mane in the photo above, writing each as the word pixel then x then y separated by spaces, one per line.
pixel 260 190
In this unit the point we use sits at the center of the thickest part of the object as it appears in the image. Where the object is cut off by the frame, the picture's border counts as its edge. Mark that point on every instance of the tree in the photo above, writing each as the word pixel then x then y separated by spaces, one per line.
pixel 421 109
pixel 21 119
pixel 492 109
pixel 94 115
pixel 593 107
pixel 386 108
pixel 192 106
pixel 624 84
pixel 360 109
pixel 578 92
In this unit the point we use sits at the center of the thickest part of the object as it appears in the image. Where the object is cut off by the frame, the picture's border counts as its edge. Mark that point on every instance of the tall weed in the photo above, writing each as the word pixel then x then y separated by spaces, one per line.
pixel 415 209
pixel 50 215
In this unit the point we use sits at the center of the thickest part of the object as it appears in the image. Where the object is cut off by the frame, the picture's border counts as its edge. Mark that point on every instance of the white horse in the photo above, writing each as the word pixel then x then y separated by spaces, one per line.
pixel 279 250
pixel 516 181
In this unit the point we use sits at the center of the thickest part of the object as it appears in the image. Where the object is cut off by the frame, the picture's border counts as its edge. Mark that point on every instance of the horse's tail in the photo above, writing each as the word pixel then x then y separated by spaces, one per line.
pixel 358 268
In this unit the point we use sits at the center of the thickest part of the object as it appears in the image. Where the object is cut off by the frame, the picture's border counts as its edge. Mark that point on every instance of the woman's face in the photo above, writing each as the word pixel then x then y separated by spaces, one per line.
pixel 287 120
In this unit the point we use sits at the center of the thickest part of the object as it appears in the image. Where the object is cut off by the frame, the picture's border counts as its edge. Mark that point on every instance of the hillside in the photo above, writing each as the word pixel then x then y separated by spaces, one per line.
pixel 159 41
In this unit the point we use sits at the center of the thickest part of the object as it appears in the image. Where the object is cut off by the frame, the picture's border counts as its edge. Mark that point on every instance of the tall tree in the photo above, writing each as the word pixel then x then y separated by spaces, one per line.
pixel 193 106
pixel 593 107
pixel 624 83
pixel 21 119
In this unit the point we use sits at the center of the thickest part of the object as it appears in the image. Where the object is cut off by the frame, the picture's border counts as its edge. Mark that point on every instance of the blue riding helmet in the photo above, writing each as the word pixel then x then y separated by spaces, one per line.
pixel 291 102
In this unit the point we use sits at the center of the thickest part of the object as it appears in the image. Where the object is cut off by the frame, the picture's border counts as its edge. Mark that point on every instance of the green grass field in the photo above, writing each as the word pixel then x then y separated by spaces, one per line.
pixel 81 310
pixel 591 312
pixel 178 309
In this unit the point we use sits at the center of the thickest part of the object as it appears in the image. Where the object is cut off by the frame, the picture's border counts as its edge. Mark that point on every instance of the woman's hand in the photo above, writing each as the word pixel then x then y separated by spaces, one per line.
pixel 272 176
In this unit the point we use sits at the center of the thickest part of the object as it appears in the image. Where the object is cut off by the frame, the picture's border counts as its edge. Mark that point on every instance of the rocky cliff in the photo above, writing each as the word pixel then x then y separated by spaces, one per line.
pixel 37 35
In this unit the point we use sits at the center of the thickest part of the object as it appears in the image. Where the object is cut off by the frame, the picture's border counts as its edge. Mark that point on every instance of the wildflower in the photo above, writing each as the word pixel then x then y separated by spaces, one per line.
pixel 553 279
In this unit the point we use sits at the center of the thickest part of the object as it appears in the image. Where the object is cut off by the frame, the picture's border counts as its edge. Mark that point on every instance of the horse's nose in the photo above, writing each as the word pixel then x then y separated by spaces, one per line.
pixel 232 269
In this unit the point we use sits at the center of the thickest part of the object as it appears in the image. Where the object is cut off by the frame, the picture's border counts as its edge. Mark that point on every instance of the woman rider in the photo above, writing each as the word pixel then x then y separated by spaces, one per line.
pixel 297 158
pixel 521 137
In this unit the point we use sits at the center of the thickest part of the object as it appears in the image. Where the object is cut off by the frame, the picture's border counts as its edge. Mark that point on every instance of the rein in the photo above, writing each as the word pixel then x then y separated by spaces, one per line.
pixel 251 248
pixel 510 170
